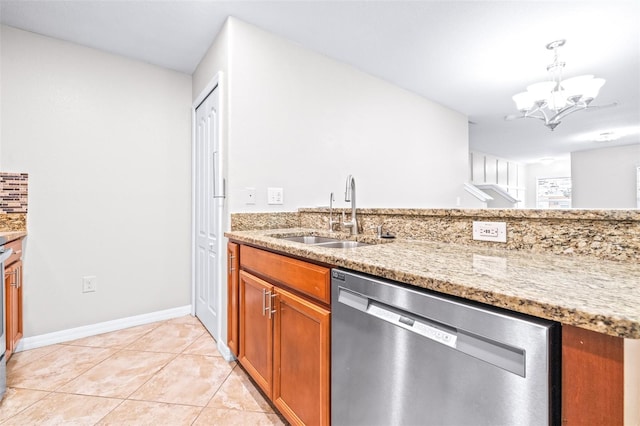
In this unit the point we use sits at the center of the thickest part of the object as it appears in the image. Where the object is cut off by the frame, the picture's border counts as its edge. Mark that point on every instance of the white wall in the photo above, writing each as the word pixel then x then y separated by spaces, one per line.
pixel 302 121
pixel 605 178
pixel 216 59
pixel 561 167
pixel 107 145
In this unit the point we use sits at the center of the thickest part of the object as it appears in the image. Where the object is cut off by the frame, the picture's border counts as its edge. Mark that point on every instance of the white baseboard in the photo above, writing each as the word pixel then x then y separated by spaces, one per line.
pixel 99 328
pixel 225 352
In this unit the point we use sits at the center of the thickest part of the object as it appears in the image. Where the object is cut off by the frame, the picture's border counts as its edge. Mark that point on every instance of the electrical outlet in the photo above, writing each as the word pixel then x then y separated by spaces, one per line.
pixel 250 195
pixel 275 196
pixel 89 284
pixel 490 231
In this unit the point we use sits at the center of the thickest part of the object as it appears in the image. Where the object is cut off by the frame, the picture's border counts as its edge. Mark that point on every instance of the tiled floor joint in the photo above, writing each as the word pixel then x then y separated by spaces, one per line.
pixel 165 373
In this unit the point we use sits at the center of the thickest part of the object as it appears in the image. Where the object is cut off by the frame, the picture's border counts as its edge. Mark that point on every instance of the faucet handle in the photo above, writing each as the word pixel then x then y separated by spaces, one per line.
pixel 378 229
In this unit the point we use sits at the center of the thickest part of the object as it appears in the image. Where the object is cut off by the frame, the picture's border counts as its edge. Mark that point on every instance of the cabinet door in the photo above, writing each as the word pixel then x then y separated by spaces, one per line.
pixel 592 378
pixel 256 330
pixel 232 297
pixel 13 306
pixel 301 360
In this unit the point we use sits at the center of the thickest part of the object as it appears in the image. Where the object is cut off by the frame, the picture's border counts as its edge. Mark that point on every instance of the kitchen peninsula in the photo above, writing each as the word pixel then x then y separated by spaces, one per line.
pixel 593 297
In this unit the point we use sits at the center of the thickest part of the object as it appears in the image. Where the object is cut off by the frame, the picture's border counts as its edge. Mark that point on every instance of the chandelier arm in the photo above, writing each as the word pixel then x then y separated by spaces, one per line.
pixel 543 116
pixel 537 117
pixel 567 111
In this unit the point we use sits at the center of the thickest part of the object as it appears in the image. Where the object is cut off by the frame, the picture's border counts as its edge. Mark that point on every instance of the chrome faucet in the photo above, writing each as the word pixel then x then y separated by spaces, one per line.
pixel 331 221
pixel 350 195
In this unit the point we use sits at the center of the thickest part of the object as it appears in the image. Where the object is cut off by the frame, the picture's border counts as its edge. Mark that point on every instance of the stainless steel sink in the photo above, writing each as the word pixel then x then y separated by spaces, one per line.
pixel 324 241
pixel 310 239
pixel 343 244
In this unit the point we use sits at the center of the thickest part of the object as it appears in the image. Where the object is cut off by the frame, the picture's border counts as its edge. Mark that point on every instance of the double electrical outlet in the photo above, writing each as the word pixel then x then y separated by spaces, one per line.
pixel 490 231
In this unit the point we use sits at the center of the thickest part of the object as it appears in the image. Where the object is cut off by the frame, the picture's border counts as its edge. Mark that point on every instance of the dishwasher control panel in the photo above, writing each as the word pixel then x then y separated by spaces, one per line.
pixel 390 315
pixel 395 316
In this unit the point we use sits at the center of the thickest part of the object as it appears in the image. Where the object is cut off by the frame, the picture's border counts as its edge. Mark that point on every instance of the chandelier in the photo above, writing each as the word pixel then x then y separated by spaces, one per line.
pixel 552 100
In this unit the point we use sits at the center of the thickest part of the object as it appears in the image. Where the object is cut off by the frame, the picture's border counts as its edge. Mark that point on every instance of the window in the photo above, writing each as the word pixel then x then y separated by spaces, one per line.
pixel 553 193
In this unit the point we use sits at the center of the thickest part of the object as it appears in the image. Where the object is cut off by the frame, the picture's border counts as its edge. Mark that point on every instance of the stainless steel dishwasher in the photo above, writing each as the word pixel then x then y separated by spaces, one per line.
pixel 406 356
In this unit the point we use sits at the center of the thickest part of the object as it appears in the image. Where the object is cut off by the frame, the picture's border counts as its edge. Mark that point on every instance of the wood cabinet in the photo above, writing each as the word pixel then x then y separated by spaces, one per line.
pixel 280 327
pixel 592 378
pixel 233 252
pixel 256 331
pixel 284 332
pixel 13 294
pixel 301 357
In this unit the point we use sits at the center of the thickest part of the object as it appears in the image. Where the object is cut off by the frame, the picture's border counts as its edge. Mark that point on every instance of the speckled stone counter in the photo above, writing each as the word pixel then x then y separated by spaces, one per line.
pixel 594 294
pixel 602 234
pixel 12 235
pixel 13 222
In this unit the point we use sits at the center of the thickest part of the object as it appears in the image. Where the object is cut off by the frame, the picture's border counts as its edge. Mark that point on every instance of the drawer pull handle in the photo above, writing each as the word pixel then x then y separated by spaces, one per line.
pixel 271 309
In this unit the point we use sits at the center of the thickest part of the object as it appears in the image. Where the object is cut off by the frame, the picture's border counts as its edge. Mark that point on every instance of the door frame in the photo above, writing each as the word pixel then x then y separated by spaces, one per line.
pixel 221 327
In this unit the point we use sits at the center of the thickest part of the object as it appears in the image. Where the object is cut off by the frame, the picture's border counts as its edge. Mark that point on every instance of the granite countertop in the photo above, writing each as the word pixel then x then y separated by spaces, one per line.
pixel 598 295
pixel 7 236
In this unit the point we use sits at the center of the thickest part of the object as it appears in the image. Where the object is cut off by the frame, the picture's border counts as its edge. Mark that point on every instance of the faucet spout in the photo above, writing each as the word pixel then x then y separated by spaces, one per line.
pixel 350 196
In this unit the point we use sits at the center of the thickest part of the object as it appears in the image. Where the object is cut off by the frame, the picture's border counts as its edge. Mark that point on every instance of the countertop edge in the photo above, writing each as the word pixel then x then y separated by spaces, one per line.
pixel 9 236
pixel 613 325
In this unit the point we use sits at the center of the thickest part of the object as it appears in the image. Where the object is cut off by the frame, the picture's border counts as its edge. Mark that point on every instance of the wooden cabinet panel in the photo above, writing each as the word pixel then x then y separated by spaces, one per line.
pixel 232 297
pixel 16 245
pixel 14 308
pixel 284 336
pixel 310 279
pixel 592 378
pixel 256 331
pixel 301 360
pixel 13 295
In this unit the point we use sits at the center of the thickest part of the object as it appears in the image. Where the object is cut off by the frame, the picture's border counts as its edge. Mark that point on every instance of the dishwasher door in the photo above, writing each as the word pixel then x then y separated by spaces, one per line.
pixel 402 356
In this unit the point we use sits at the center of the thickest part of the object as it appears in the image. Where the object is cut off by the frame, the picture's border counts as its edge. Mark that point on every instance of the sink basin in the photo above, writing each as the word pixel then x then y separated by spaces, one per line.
pixel 343 244
pixel 324 241
pixel 311 239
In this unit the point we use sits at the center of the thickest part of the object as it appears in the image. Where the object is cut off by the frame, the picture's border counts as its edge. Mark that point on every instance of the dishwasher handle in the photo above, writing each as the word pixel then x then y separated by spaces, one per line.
pixel 397 317
pixel 499 354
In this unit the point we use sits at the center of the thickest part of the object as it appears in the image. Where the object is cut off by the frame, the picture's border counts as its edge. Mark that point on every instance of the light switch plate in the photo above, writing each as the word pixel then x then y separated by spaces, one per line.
pixel 275 196
pixel 490 231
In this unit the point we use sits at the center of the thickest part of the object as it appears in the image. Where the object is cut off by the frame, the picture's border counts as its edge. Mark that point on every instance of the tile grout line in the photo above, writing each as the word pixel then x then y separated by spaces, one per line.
pixel 214 394
pixel 128 398
pixel 161 369
pixel 123 349
pixel 28 406
pixel 190 323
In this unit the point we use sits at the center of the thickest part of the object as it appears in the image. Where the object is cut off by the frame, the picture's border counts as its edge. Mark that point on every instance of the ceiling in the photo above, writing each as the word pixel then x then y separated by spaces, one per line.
pixel 471 56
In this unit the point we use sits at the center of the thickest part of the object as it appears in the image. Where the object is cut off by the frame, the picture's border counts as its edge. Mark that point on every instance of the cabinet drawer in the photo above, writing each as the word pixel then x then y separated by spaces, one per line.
pixel 16 245
pixel 310 279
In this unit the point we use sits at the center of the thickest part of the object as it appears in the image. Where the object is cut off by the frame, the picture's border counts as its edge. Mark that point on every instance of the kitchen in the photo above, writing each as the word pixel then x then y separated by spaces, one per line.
pixel 103 166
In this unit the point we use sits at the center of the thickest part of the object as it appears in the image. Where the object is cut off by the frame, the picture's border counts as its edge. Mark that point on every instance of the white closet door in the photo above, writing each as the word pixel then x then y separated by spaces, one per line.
pixel 209 200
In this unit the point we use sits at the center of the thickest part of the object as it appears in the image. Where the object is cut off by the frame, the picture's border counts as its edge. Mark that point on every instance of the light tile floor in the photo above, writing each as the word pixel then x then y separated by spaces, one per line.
pixel 165 373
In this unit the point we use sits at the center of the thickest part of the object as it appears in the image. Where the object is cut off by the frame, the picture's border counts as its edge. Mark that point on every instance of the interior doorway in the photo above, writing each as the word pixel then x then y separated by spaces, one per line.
pixel 209 197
